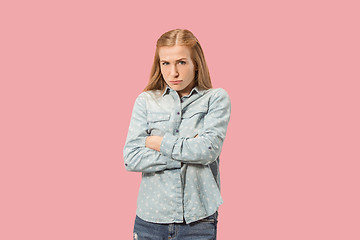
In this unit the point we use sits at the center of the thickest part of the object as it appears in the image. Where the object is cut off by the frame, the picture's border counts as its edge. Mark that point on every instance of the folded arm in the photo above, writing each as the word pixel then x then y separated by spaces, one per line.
pixel 137 156
pixel 206 147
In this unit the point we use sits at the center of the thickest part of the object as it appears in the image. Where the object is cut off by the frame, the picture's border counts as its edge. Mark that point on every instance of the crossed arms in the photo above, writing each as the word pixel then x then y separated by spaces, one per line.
pixel 144 153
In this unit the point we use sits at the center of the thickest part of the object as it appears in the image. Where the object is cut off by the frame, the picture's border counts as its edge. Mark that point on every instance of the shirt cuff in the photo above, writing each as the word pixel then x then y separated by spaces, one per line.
pixel 167 144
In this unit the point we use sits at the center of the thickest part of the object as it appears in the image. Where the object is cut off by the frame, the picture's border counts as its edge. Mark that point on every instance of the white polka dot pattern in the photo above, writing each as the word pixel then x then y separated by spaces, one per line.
pixel 182 180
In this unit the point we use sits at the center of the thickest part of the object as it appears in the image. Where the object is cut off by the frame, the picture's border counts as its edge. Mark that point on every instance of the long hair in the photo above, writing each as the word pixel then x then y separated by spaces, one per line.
pixel 181 37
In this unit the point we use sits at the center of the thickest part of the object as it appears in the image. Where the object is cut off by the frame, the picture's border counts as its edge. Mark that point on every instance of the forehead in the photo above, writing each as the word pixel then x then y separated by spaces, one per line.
pixel 174 53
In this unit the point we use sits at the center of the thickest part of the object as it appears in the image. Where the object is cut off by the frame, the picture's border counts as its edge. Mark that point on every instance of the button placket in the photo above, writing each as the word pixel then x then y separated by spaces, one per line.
pixel 177 121
pixel 177 111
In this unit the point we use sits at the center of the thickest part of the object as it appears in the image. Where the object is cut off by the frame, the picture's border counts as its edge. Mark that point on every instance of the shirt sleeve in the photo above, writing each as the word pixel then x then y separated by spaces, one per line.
pixel 137 157
pixel 205 148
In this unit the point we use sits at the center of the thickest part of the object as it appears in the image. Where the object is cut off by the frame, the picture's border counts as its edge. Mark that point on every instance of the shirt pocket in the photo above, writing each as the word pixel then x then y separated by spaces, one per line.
pixel 192 121
pixel 195 113
pixel 158 123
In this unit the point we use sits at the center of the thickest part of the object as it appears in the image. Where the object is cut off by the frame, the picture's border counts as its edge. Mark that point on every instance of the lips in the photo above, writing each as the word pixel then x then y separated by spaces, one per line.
pixel 176 82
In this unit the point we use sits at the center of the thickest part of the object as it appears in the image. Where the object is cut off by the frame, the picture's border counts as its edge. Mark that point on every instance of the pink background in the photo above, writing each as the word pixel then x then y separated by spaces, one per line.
pixel 71 70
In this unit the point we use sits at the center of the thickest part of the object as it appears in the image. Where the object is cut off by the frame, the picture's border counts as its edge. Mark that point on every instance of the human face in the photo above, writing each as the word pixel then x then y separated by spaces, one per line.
pixel 177 68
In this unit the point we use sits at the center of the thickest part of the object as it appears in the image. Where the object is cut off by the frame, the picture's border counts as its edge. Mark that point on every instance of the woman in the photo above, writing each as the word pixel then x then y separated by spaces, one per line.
pixel 176 132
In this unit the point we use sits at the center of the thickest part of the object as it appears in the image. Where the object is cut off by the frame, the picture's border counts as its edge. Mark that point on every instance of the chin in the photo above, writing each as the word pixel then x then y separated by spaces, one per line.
pixel 177 88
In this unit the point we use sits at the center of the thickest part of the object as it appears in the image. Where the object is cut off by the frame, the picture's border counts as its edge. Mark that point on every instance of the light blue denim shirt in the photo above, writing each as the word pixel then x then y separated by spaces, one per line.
pixel 182 181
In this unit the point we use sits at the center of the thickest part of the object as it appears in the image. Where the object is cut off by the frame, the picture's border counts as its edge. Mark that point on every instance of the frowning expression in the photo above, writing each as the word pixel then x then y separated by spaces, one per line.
pixel 177 68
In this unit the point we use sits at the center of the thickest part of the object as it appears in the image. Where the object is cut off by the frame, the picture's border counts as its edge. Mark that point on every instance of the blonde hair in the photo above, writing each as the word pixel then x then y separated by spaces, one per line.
pixel 181 37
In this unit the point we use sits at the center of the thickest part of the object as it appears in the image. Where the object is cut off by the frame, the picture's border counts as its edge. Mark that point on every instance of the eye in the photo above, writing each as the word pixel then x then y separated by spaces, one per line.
pixel 164 63
pixel 182 62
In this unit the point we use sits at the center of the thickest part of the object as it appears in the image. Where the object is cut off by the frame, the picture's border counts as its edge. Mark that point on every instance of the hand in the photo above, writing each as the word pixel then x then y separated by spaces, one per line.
pixel 153 142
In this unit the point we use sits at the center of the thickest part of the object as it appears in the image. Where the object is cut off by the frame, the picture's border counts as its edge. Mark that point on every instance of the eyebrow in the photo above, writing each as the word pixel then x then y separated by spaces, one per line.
pixel 176 60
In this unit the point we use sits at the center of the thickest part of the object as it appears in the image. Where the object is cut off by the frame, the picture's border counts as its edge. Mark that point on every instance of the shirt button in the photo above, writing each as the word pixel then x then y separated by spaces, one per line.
pixel 210 148
pixel 125 164
pixel 178 113
pixel 177 130
pixel 181 100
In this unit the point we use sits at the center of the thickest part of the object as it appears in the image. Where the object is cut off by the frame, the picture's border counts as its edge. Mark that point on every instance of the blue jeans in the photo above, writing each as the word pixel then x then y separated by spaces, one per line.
pixel 204 229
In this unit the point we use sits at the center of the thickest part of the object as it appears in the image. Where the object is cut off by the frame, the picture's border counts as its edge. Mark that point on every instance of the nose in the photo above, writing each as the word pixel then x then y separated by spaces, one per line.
pixel 174 72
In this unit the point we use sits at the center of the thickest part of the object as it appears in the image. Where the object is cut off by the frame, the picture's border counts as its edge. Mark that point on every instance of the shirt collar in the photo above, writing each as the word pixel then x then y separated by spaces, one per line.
pixel 167 90
pixel 195 89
